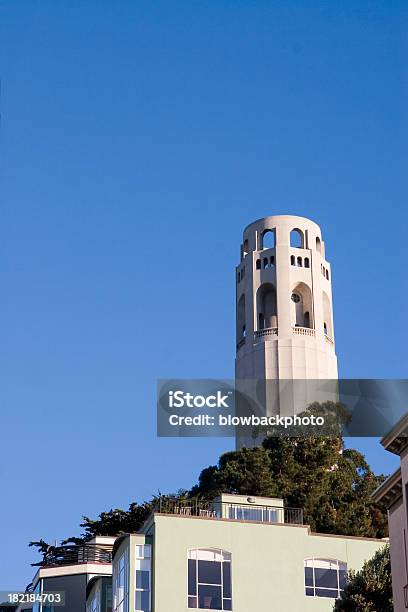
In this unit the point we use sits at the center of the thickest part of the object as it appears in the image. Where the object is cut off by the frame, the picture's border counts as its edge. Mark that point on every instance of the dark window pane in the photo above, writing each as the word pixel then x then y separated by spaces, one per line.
pixel 192 602
pixel 142 601
pixel 209 572
pixel 209 597
pixel 142 579
pixel 326 593
pixel 226 579
pixel 310 592
pixel 227 604
pixel 192 577
pixel 309 576
pixel 342 578
pixel 326 578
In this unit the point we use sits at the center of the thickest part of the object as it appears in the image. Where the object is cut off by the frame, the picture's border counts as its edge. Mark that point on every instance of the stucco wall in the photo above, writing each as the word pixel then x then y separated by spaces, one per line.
pixel 267 562
pixel 396 522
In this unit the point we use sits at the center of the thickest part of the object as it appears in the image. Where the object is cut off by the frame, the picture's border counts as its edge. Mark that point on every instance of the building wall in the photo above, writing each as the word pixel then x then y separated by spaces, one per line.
pixel 74 588
pixel 267 562
pixel 396 523
pixel 398 528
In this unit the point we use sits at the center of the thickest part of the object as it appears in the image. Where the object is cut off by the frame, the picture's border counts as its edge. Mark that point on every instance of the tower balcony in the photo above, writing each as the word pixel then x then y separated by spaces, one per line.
pixel 265 334
pixel 304 331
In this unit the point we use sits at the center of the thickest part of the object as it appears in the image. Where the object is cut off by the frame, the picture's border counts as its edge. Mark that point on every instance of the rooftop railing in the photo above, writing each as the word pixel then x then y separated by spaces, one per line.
pixel 232 511
pixel 74 555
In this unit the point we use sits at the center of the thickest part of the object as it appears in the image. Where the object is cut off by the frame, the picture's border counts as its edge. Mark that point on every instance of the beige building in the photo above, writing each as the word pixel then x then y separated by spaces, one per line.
pixel 237 553
pixel 394 494
pixel 74 570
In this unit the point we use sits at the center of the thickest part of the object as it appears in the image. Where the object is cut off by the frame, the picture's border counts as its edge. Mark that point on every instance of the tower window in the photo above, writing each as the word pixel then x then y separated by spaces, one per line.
pixel 268 239
pixel 272 261
pixel 295 298
pixel 258 264
pixel 318 245
pixel 209 579
pixel 265 262
pixel 299 262
pixel 292 260
pixel 297 239
pixel 327 274
pixel 246 247
pixel 307 262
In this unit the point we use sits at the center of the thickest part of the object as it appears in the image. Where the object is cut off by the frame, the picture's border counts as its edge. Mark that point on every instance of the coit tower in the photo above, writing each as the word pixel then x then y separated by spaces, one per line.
pixel 284 307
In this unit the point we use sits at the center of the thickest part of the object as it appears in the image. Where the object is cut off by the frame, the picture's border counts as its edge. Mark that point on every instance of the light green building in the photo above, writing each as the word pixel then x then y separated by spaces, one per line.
pixel 237 553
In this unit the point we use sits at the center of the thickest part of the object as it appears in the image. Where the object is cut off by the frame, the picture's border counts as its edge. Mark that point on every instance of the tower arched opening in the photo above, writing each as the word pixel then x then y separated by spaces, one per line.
pixel 301 306
pixel 268 239
pixel 327 316
pixel 241 329
pixel 267 306
pixel 297 239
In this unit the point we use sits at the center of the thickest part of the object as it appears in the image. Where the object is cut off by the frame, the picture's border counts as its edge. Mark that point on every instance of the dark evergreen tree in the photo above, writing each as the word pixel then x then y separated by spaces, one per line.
pixel 370 589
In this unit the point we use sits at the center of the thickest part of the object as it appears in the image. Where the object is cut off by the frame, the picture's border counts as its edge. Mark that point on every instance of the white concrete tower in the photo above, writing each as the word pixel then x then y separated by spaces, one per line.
pixel 284 302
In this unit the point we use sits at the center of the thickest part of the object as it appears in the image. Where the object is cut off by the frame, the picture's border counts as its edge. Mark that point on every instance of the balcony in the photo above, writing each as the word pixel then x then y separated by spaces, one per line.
pixel 265 334
pixel 232 511
pixel 304 331
pixel 57 556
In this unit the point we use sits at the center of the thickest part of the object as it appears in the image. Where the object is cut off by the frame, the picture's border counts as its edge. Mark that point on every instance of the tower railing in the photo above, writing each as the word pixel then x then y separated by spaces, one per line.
pixel 304 331
pixel 263 333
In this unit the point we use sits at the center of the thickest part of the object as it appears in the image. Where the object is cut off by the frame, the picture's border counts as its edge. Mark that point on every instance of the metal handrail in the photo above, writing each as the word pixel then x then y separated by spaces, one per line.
pixel 233 511
pixel 76 555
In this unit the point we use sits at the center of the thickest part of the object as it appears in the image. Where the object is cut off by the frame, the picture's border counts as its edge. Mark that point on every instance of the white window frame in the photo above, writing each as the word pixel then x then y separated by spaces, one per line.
pixel 324 563
pixel 205 554
pixel 120 583
pixel 143 561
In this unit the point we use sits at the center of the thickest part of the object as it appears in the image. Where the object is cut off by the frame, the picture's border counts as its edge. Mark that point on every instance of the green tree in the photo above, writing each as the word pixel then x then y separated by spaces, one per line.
pixel 332 484
pixel 369 590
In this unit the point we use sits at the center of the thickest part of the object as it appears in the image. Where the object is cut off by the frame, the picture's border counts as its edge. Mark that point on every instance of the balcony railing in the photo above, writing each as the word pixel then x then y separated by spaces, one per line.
pixel 232 511
pixel 261 334
pixel 304 331
pixel 74 555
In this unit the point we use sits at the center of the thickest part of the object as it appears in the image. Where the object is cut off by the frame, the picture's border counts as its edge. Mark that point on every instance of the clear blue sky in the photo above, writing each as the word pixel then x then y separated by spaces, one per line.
pixel 137 140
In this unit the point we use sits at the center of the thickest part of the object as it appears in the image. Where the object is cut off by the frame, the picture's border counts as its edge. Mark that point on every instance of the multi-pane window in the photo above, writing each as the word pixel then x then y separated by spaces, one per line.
pixel 325 577
pixel 209 579
pixel 258 513
pixel 143 577
pixel 109 599
pixel 120 583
